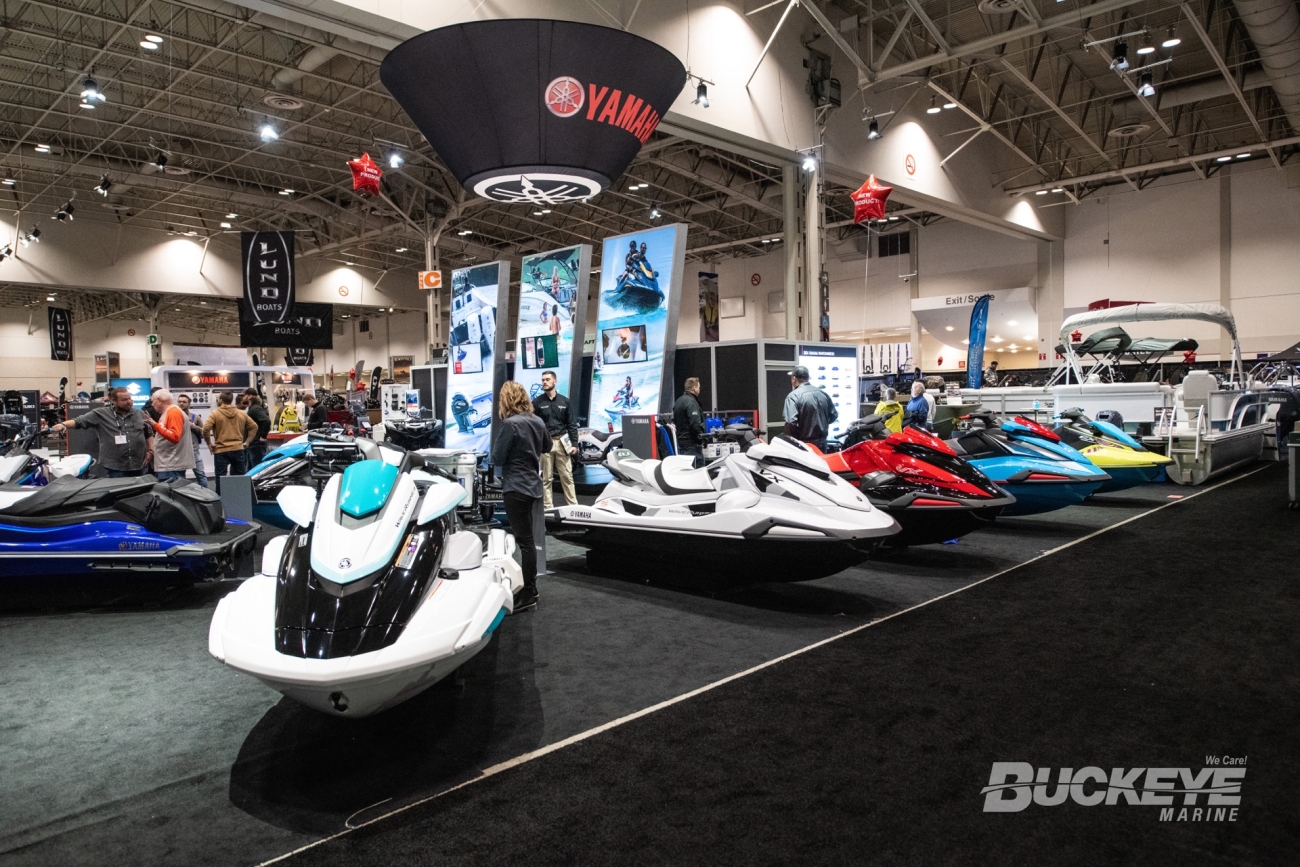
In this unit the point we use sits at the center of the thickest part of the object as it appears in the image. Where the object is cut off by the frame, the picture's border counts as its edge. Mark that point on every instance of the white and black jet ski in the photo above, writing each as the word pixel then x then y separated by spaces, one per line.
pixel 377 594
pixel 774 513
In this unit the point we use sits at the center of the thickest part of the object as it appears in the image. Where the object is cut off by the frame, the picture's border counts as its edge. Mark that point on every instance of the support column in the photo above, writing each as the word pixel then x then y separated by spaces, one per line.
pixel 1050 302
pixel 793 248
pixel 914 284
pixel 1225 254
pixel 810 309
pixel 435 338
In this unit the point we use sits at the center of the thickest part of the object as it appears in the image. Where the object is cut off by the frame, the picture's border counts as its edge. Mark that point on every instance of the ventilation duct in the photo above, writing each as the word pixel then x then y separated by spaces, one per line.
pixel 316 57
pixel 1274 28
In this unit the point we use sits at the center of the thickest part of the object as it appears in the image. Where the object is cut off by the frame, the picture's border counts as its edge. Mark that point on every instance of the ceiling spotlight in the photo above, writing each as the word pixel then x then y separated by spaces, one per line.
pixel 395 161
pixel 873 129
pixel 809 163
pixel 191 234
pixel 90 91
pixel 1147 46
pixel 154 38
pixel 1040 192
pixel 997 339
pixel 268 133
pixel 225 225
pixel 1011 322
pixel 1146 85
pixel 286 192
pixel 701 96
pixel 1029 337
pixel 464 232
pixel 42 148
pixel 64 214
pixel 5 252
pixel 1223 159
pixel 8 181
pixel 934 106
pixel 1242 156
pixel 1119 60
pixel 149 44
pixel 231 216
pixel 1055 190
pixel 104 186
pixel 1171 40
pixel 390 310
pixel 654 212
pixel 349 263
pixel 49 297
pixel 947 328
pixel 32 237
pixel 161 162
pixel 85 104
pixel 950 104
pixel 895 218
pixel 400 250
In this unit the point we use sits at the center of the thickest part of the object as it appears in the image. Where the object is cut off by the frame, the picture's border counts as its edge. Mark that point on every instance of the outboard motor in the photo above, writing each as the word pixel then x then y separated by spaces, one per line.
pixel 1112 416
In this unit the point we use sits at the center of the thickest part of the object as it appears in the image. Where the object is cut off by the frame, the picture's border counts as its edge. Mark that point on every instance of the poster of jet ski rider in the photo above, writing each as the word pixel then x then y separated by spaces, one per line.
pixel 552 315
pixel 474 298
pixel 640 293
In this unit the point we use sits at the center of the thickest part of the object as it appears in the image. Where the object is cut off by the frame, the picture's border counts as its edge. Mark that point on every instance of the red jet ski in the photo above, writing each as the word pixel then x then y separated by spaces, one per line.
pixel 918 479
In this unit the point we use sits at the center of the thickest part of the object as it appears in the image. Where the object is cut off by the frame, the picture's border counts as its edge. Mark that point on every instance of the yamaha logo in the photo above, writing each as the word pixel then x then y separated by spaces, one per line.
pixel 564 96
pixel 345 563
pixel 547 188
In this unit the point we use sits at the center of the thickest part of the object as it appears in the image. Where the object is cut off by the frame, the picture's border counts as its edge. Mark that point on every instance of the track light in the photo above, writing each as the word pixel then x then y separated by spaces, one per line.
pixel 1119 61
pixel 950 104
pixel 654 212
pixel 395 161
pixel 232 215
pixel 5 252
pixel 32 237
pixel 225 225
pixel 268 133
pixel 64 214
pixel 809 163
pixel 152 42
pixel 8 181
pixel 90 91
pixel 1243 156
pixel 1147 46
pixel 1223 159
pixel 104 186
pixel 42 148
pixel 464 232
pixel 286 192
pixel 701 96
pixel 161 162
pixel 1172 39
pixel 1146 85
pixel 873 129
pixel 934 106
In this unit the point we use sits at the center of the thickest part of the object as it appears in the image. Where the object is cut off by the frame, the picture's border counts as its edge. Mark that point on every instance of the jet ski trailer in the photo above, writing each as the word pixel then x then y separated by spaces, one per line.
pixel 774 513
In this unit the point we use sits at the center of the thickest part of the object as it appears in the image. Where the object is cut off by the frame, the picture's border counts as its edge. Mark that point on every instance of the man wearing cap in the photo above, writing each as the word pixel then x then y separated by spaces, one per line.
pixel 808 411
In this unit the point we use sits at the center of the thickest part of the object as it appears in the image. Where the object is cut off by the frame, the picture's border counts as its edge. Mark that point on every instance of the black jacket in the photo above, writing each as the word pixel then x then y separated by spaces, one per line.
pixel 319 417
pixel 518 448
pixel 556 414
pixel 689 419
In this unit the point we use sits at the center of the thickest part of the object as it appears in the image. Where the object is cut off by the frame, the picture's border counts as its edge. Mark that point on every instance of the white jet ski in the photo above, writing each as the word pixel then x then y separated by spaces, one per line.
pixel 377 594
pixel 774 513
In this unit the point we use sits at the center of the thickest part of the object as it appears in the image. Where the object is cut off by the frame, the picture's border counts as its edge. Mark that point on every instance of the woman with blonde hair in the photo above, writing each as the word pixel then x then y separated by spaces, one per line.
pixel 521 440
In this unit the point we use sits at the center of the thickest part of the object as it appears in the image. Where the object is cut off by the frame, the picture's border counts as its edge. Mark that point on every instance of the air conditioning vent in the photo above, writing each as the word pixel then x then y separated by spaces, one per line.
pixel 282 102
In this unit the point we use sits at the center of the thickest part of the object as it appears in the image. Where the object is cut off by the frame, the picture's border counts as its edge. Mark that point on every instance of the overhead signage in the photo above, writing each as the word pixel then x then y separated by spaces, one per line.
pixel 552 318
pixel 211 380
pixel 268 268
pixel 299 356
pixel 536 111
pixel 636 328
pixel 476 359
pixel 310 327
pixel 430 279
pixel 60 321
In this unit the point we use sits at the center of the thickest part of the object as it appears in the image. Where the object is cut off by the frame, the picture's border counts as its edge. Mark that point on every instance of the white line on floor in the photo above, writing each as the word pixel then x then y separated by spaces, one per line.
pixel 592 732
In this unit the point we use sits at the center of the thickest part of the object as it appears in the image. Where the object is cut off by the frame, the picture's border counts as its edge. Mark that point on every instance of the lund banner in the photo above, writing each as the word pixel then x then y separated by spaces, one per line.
pixel 267 259
pixel 310 327
pixel 979 322
pixel 60 334
pixel 299 356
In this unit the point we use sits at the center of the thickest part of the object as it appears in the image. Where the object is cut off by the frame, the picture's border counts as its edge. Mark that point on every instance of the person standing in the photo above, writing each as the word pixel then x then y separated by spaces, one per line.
pixel 174 447
pixel 258 413
pixel 317 415
pixel 991 374
pixel 228 431
pixel 520 442
pixel 889 403
pixel 917 413
pixel 196 434
pixel 554 411
pixel 808 411
pixel 125 434
pixel 688 418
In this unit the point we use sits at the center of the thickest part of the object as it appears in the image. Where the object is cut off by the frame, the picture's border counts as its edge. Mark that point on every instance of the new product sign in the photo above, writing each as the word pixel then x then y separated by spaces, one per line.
pixel 552 318
pixel 475 362
pixel 636 331
pixel 267 259
pixel 526 110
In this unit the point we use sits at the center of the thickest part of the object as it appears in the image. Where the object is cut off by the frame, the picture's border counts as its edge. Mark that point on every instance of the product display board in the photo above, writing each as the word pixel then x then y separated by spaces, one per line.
pixel 139 389
pixel 552 318
pixel 476 356
pixel 636 328
pixel 834 369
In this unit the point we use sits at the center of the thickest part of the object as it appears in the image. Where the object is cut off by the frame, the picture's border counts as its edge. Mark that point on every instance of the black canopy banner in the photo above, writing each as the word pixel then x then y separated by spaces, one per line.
pixel 299 356
pixel 311 327
pixel 267 259
pixel 527 110
pixel 60 334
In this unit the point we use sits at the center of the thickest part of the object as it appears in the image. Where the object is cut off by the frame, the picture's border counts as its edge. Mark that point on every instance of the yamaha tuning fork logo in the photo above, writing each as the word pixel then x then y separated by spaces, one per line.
pixel 564 96
pixel 1207 794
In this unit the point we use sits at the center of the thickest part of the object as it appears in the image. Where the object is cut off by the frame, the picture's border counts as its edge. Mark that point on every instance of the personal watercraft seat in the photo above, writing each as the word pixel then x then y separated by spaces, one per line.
pixel 600 435
pixel 70 494
pixel 676 475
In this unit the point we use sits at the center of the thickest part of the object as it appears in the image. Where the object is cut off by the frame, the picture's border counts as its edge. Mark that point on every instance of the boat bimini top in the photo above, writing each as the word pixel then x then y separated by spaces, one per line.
pixel 1142 312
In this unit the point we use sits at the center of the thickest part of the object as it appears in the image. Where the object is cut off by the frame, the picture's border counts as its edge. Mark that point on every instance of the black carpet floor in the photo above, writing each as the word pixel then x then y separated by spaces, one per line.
pixel 1156 644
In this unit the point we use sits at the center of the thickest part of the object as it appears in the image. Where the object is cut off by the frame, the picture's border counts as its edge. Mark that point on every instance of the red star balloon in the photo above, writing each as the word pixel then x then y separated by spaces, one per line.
pixel 365 175
pixel 1076 335
pixel 869 200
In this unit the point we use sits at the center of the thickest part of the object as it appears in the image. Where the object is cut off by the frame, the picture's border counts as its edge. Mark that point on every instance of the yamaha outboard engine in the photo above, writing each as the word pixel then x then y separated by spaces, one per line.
pixel 1112 416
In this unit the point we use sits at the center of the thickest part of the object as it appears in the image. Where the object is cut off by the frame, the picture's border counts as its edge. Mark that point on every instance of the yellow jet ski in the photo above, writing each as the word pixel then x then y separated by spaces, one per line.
pixel 1115 453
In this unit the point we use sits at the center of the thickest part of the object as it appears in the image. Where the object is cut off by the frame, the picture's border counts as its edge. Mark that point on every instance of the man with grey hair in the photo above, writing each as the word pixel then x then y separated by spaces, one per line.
pixel 808 411
pixel 125 434
pixel 174 452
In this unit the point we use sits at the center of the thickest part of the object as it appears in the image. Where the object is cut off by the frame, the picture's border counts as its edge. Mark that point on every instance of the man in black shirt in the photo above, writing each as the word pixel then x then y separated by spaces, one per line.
pixel 317 415
pixel 689 420
pixel 553 409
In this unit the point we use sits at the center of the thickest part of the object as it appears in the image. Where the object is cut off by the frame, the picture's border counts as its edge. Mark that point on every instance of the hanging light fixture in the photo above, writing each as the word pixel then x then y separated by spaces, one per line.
pixel 1147 46
pixel 701 96
pixel 395 161
pixel 1146 85
pixel 90 92
pixel 934 106
pixel 32 237
pixel 161 162
pixel 873 129
pixel 104 186
pixel 1119 60
pixel 1172 39
pixel 64 214
pixel 5 252
pixel 268 133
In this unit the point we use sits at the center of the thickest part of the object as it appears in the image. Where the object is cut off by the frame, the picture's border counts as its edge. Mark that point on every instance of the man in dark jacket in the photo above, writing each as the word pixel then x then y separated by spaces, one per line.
pixel 553 409
pixel 808 411
pixel 689 421
pixel 317 415
pixel 258 413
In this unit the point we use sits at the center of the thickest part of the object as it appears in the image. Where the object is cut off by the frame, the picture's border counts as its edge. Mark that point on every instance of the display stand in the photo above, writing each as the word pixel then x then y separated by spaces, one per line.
pixel 236 496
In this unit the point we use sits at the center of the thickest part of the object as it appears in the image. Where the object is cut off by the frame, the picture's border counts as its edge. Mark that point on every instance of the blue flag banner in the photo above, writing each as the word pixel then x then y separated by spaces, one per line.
pixel 979 321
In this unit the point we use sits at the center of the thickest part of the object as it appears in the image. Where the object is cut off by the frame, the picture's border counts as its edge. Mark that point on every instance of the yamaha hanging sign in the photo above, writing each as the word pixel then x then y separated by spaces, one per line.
pixel 533 111
pixel 60 334
pixel 268 276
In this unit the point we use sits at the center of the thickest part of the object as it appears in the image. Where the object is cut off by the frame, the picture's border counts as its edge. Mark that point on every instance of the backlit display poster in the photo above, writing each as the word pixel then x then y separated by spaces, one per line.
pixel 834 369
pixel 636 328
pixel 475 363
pixel 552 318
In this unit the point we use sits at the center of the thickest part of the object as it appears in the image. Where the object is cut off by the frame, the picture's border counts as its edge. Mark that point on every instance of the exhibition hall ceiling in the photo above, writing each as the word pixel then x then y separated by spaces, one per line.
pixel 215 113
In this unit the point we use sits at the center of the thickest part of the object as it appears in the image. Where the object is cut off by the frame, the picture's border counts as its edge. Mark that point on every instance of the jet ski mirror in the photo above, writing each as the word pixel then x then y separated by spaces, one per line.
pixel 298 504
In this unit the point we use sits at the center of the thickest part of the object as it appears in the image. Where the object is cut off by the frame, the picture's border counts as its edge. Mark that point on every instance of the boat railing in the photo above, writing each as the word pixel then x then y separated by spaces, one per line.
pixel 1195 451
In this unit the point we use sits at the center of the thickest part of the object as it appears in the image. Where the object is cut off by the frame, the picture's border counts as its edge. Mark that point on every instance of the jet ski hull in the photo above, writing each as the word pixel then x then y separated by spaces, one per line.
pixel 1122 478
pixel 925 522
pixel 106 547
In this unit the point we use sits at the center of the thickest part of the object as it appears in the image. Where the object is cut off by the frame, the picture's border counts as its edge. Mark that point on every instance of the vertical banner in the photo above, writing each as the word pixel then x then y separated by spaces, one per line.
pixel 708 307
pixel 300 356
pixel 552 318
pixel 636 328
pixel 267 259
pixel 60 333
pixel 476 356
pixel 979 320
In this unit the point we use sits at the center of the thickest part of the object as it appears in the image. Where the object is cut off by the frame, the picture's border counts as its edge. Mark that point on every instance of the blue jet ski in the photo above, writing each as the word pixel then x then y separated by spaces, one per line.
pixel 77 526
pixel 638 290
